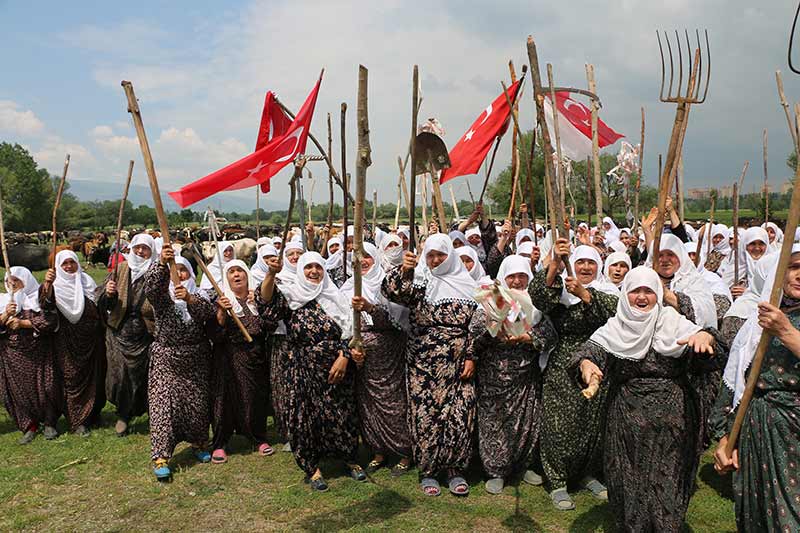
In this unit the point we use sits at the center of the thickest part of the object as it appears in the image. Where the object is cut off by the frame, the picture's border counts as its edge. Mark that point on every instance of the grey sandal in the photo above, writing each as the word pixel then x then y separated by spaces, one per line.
pixel 458 486
pixel 495 485
pixel 430 487
pixel 562 500
pixel 598 490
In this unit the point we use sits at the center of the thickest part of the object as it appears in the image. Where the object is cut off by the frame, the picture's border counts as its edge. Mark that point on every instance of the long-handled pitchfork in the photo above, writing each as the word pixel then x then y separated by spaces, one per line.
pixel 685 96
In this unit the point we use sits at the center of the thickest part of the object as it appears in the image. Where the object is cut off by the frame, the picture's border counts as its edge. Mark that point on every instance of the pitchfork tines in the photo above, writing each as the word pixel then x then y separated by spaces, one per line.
pixel 690 91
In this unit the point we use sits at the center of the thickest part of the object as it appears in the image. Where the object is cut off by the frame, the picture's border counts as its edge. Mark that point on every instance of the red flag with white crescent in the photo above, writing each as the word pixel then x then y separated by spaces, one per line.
pixel 274 123
pixel 575 127
pixel 470 151
pixel 258 167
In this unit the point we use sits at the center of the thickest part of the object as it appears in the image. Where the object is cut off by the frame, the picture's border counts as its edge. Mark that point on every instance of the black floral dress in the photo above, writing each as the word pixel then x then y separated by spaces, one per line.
pixel 180 363
pixel 652 432
pixel 571 425
pixel 766 488
pixel 441 404
pixel 509 389
pixel 321 418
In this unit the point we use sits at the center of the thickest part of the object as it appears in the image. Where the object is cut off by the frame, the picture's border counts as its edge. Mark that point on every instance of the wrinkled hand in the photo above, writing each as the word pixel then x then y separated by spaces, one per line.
pixel 274 264
pixel 589 370
pixel 561 248
pixel 167 255
pixel 409 262
pixel 505 231
pixel 13 323
pixel 469 370
pixel 357 356
pixel 111 288
pixel 11 309
pixel 181 293
pixel 583 236
pixel 737 290
pixel 224 303
pixel 50 276
pixel 525 338
pixel 361 304
pixel 772 320
pixel 700 342
pixel 575 287
pixel 724 463
pixel 338 369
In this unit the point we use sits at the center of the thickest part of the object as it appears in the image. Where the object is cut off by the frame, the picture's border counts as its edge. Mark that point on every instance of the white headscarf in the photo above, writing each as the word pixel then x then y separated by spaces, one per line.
pixel 521 234
pixel 70 289
pixel 25 298
pixel 334 258
pixel 618 246
pixel 775 245
pixel 159 244
pixel 689 281
pixel 288 273
pixel 449 280
pixel 458 235
pixel 525 248
pixel 251 285
pixel 598 283
pixel 391 257
pixel 260 267
pixel 630 333
pixel 744 345
pixel 613 259
pixel 276 240
pixel 136 264
pixel 516 264
pixel 262 241
pixel 611 234
pixel 728 267
pixel 477 247
pixel 327 295
pixel 214 266
pixel 477 273
pixel 724 246
pixel 745 305
pixel 715 283
pixel 371 282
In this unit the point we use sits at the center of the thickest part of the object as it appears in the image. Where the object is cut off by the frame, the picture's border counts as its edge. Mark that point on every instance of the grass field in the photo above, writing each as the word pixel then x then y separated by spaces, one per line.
pixel 104 483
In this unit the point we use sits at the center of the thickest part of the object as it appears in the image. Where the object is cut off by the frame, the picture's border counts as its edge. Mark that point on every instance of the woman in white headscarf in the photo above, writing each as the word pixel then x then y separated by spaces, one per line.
pixel 746 305
pixel 124 308
pixel 391 252
pixel 765 485
pixel 473 236
pixel 651 436
pixel 571 432
pixel 381 380
pixel 616 267
pixel 440 367
pixel 79 347
pixel 717 287
pixel 179 378
pixel 470 259
pixel 240 372
pixel 27 373
pixel 508 380
pixel 340 265
pixel 611 230
pixel 720 248
pixel 260 268
pixel 224 255
pixel 322 419
pixel 775 235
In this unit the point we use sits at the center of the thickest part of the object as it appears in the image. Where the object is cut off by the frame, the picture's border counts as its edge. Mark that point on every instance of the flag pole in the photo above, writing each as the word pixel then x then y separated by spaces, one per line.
pixel 258 212
pixel 598 193
pixel 119 220
pixel 346 182
pixel 56 205
pixel 412 243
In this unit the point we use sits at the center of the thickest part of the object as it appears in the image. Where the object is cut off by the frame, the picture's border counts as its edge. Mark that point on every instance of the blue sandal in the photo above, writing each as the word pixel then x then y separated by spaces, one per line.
pixel 161 470
pixel 202 455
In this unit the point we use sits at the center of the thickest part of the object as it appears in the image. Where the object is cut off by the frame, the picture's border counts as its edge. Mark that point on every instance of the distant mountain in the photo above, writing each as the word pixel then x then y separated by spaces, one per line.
pixel 239 201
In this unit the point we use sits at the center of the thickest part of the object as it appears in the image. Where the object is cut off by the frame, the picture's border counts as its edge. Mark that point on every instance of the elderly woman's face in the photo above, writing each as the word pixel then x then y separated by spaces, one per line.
pixel 15 283
pixel 237 279
pixel 668 264
pixel 366 264
pixel 642 298
pixel 585 270
pixel 69 265
pixel 333 248
pixel 617 271
pixel 791 283
pixel 468 262
pixel 517 281
pixel 313 273
pixel 183 273
pixel 293 255
pixel 228 253
pixel 143 251
pixel 474 240
pixel 756 249
pixel 435 258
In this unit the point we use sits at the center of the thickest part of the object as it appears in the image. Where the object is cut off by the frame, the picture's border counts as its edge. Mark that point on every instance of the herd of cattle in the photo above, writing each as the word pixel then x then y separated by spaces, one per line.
pixel 32 250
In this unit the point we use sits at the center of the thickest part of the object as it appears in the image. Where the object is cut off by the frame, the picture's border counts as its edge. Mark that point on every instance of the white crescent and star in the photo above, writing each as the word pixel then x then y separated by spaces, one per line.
pixel 296 136
pixel 255 170
pixel 471 132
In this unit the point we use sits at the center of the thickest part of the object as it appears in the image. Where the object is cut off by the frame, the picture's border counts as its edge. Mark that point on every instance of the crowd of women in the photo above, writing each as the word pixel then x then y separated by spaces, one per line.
pixel 574 362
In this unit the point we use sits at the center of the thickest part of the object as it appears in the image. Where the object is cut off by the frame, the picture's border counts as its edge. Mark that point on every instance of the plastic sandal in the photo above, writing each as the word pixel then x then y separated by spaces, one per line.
pixel 318 484
pixel 202 455
pixel 265 449
pixel 598 490
pixel 494 485
pixel 458 486
pixel 374 466
pixel 532 478
pixel 562 500
pixel 161 470
pixel 400 469
pixel 430 487
pixel 219 456
pixel 357 473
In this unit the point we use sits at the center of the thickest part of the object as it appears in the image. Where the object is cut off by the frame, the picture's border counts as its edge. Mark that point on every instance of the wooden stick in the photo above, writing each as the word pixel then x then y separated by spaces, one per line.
pixel 412 232
pixel 638 178
pixel 133 109
pixel 119 219
pixel 679 189
pixel 292 198
pixel 57 204
pixel 363 161
pixel 258 212
pixel 514 144
pixel 199 260
pixel 766 185
pixel 469 191
pixel 489 171
pixel 598 193
pixel 529 183
pixel 374 212
pixel 455 205
pixel 736 233
pixel 424 193
pixel 3 245
pixel 346 178
pixel 559 164
pixel 589 191
pixel 330 187
pixel 436 195
pixel 785 105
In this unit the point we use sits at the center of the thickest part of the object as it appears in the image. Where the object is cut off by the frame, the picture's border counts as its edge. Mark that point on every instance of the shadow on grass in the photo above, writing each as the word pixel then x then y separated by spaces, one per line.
pixel 520 520
pixel 378 508
pixel 592 520
pixel 722 485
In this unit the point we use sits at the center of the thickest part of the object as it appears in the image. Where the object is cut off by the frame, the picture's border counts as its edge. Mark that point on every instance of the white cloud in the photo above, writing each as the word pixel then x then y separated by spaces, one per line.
pixel 19 122
pixel 52 152
pixel 101 131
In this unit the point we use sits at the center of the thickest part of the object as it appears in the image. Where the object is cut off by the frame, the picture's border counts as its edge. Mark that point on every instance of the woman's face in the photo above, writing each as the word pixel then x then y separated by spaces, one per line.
pixel 474 240
pixel 457 243
pixel 228 253
pixel 313 273
pixel 791 284
pixel 183 274
pixel 392 244
pixel 293 255
pixel 15 283
pixel 668 263
pixel 617 271
pixel 333 248
pixel 642 298
pixel 435 258
pixel 517 281
pixel 69 266
pixel 525 239
pixel 405 241
pixel 143 251
pixel 771 233
pixel 349 246
pixel 237 279
pixel 585 270
pixel 716 239
pixel 606 226
pixel 756 249
pixel 366 264
pixel 468 262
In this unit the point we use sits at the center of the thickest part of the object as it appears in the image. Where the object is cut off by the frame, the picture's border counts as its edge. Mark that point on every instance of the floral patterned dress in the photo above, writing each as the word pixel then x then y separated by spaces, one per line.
pixel 509 389
pixel 180 364
pixel 321 418
pixel 441 404
pixel 766 488
pixel 652 432
pixel 571 425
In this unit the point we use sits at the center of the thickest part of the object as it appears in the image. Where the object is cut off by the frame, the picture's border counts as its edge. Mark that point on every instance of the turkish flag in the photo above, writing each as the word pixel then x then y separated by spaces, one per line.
pixel 274 123
pixel 261 165
pixel 470 151
pixel 575 127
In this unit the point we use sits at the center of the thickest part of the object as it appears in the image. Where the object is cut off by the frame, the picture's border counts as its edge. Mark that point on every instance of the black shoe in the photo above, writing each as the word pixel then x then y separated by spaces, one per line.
pixel 50 432
pixel 27 438
pixel 82 431
pixel 357 473
pixel 318 484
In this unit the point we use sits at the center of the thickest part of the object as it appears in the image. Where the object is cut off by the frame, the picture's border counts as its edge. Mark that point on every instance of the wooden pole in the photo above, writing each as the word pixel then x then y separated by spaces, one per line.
pixel 258 212
pixel 424 192
pixel 735 233
pixel 3 245
pixel 529 182
pixel 399 202
pixel 489 171
pixel 119 219
pixel 638 178
pixel 455 205
pixel 374 212
pixel 514 144
pixel 679 191
pixel 558 165
pixel 785 105
pixel 598 192
pixel 56 205
pixel 329 221
pixel 589 203
pixel 133 109
pixel 363 161
pixel 412 231
pixel 766 184
pixel 345 179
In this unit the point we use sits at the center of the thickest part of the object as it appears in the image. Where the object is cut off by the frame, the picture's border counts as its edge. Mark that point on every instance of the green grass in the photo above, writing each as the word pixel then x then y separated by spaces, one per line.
pixel 103 483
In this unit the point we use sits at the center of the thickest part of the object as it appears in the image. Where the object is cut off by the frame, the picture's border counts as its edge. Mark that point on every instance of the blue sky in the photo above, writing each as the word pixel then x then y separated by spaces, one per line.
pixel 200 72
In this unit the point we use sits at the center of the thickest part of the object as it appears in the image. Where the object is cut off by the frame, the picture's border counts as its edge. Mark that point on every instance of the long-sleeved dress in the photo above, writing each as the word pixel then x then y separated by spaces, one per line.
pixel 80 354
pixel 127 343
pixel 652 432
pixel 29 388
pixel 441 404
pixel 321 418
pixel 766 488
pixel 571 425
pixel 240 380
pixel 508 385
pixel 180 364
pixel 381 386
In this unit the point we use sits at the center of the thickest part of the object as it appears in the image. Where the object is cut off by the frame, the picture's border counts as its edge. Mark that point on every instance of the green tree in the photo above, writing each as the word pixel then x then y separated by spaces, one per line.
pixel 27 190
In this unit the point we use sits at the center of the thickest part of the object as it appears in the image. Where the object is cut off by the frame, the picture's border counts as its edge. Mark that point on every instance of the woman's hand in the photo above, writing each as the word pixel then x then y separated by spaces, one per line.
pixel 111 288
pixel 737 290
pixel 576 288
pixel 590 370
pixel 469 370
pixel 181 293
pixel 724 463
pixel 167 255
pixel 525 338
pixel 773 320
pixel 700 342
pixel 50 276
pixel 274 264
pixel 224 303
pixel 361 304
pixel 670 298
pixel 14 323
pixel 338 369
pixel 409 262
pixel 357 356
pixel 11 309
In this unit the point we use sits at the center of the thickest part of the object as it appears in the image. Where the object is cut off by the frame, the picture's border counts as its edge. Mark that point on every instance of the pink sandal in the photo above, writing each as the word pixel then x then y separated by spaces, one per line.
pixel 265 449
pixel 219 456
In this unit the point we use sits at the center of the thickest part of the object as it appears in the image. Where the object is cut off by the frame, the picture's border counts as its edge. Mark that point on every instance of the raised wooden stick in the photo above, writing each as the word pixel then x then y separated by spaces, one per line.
pixel 119 220
pixel 412 232
pixel 56 205
pixel 346 181
pixel 330 187
pixel 638 178
pixel 735 233
pixel 3 245
pixel 562 198
pixel 766 185
pixel 785 106
pixel 258 212
pixel 489 170
pixel 598 193
pixel 374 212
pixel 455 205
pixel 133 109
pixel 514 145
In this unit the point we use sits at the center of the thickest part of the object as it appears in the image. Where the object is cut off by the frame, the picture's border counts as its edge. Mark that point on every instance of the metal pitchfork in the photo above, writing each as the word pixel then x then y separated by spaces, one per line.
pixel 685 96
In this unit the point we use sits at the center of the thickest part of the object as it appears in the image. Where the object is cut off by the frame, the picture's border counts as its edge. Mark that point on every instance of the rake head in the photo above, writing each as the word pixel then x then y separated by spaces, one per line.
pixel 690 91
